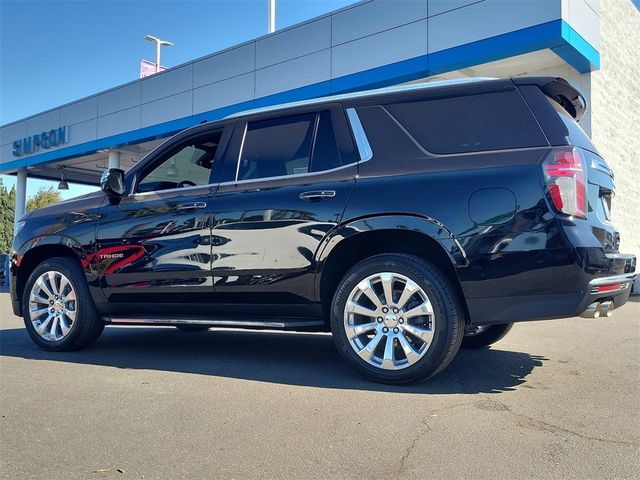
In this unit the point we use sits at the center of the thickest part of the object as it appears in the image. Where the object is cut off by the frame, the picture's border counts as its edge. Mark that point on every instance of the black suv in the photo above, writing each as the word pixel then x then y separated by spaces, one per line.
pixel 407 221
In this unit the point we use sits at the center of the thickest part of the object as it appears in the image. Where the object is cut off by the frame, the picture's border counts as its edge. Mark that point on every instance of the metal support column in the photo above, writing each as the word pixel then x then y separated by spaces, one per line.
pixel 21 194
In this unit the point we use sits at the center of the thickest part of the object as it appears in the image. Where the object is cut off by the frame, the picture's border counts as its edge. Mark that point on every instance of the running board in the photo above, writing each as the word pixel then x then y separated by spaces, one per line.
pixel 236 323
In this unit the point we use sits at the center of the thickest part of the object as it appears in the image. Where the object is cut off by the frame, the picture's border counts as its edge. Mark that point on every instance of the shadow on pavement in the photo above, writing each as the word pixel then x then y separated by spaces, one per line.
pixel 284 358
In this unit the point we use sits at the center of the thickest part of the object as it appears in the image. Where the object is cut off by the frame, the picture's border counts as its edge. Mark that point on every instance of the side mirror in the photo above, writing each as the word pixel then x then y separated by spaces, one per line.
pixel 112 182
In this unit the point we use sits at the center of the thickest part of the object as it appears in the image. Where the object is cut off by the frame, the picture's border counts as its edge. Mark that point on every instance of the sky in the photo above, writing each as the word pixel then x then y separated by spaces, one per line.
pixel 53 52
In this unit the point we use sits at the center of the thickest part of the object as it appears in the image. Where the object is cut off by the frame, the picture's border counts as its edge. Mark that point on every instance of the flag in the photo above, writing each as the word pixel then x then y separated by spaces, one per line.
pixel 148 68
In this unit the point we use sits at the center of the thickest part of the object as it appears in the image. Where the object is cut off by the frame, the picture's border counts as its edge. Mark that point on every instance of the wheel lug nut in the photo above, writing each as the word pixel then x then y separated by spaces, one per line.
pixel 395 310
pixel 401 320
pixel 52 310
pixel 385 309
pixel 379 319
pixel 50 302
pixel 396 330
pixel 385 329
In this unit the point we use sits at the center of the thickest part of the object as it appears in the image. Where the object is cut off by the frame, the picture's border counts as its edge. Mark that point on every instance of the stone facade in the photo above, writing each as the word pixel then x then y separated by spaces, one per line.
pixel 613 117
pixel 615 113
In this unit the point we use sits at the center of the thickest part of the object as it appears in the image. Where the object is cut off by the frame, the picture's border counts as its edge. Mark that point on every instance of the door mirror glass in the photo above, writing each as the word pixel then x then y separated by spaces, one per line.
pixel 112 182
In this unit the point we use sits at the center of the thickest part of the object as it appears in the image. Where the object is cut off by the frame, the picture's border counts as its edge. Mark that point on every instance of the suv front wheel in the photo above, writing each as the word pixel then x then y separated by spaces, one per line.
pixel 397 319
pixel 57 307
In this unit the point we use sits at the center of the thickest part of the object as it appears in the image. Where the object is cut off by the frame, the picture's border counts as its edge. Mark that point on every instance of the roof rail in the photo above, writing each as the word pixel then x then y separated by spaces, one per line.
pixel 362 93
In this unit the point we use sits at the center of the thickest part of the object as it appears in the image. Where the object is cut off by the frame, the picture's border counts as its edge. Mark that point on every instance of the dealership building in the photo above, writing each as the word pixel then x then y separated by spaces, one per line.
pixel 595 44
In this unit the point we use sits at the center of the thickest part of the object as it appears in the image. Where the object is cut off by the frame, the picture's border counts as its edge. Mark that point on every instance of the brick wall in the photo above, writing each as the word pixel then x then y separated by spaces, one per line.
pixel 613 117
pixel 615 113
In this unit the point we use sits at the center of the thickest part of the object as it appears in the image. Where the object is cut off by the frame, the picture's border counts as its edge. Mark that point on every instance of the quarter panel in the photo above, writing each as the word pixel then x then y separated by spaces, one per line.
pixel 516 255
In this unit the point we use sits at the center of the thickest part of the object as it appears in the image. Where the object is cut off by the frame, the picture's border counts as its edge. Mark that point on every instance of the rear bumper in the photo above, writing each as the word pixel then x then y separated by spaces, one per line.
pixel 615 289
pixel 612 284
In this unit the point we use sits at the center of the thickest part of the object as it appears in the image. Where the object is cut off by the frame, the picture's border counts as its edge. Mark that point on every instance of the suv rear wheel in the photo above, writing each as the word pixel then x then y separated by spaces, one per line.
pixel 484 335
pixel 397 319
pixel 58 310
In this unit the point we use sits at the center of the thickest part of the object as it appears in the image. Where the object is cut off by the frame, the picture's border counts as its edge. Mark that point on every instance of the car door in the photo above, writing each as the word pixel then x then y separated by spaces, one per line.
pixel 153 246
pixel 286 182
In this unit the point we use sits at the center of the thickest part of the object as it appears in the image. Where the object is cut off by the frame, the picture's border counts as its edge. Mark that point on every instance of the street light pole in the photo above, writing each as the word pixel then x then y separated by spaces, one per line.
pixel 159 43
pixel 271 21
pixel 157 57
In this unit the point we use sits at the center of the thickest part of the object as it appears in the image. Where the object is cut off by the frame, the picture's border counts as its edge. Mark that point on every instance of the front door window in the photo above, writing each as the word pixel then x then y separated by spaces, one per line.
pixel 187 165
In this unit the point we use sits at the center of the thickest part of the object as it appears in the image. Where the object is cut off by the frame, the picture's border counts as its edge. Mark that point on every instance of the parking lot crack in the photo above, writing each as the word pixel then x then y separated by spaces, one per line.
pixel 530 422
pixel 423 430
pixel 526 421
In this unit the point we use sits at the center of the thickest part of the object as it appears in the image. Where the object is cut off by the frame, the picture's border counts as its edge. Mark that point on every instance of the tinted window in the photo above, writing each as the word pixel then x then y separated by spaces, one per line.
pixel 277 147
pixel 489 121
pixel 186 165
pixel 325 151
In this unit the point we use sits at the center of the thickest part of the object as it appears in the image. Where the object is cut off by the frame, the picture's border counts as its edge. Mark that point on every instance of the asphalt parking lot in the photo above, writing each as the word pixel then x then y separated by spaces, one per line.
pixel 554 399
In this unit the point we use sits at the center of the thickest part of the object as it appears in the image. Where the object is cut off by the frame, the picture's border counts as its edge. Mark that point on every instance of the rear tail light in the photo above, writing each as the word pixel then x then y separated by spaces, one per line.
pixel 614 287
pixel 565 175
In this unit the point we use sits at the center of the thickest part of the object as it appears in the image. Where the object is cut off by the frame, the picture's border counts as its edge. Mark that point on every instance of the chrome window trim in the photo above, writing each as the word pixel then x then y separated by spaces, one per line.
pixel 171 190
pixel 362 142
pixel 293 175
pixel 244 137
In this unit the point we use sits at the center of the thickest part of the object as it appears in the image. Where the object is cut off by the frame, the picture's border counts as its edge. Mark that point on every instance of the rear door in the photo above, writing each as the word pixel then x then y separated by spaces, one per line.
pixel 286 182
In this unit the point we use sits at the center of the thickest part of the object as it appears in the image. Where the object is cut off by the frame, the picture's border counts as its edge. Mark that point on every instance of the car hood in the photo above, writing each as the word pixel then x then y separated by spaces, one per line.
pixel 79 204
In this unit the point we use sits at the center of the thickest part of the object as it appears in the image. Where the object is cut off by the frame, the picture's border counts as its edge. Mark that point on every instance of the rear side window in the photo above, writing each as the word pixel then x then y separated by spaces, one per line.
pixel 471 123
pixel 277 147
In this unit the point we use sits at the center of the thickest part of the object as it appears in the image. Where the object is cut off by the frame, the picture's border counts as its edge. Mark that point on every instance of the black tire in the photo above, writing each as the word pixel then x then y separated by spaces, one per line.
pixel 87 326
pixel 447 308
pixel 192 328
pixel 488 337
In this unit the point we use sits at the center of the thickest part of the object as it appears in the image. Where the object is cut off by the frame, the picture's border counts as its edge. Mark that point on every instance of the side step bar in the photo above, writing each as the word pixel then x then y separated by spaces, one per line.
pixel 235 323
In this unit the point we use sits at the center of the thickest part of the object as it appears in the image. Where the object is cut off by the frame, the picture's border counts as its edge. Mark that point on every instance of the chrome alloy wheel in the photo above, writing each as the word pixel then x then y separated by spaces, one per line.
pixel 52 306
pixel 389 321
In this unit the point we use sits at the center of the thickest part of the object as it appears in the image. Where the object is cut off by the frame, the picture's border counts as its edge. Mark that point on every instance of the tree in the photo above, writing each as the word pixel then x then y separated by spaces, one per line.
pixel 7 209
pixel 43 197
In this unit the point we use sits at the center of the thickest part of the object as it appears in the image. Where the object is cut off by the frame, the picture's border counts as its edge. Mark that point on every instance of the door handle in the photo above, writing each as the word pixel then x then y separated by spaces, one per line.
pixel 317 195
pixel 192 205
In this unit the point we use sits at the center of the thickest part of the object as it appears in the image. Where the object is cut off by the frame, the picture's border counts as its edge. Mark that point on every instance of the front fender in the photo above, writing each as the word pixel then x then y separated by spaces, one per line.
pixel 58 240
pixel 23 259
